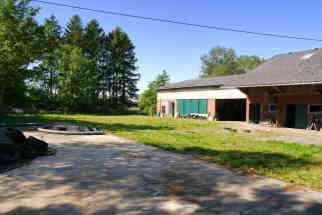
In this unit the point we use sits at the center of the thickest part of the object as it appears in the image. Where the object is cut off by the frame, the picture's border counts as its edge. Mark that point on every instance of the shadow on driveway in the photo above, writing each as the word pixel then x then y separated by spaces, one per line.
pixel 96 175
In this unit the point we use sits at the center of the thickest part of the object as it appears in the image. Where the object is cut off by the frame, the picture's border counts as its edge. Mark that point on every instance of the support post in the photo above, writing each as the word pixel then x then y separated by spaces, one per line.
pixel 212 109
pixel 280 115
pixel 247 110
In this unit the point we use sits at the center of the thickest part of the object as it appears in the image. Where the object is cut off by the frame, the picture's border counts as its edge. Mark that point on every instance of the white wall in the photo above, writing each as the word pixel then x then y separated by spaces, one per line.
pixel 199 93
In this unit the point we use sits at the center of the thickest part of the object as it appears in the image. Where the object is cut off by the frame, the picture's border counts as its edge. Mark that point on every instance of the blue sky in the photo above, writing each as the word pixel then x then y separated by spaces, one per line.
pixel 177 49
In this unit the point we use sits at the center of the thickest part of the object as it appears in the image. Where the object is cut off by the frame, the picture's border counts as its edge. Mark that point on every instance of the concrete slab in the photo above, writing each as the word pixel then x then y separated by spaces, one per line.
pixel 96 175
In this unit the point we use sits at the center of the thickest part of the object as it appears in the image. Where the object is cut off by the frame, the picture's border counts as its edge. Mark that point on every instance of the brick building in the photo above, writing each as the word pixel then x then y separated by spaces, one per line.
pixel 285 90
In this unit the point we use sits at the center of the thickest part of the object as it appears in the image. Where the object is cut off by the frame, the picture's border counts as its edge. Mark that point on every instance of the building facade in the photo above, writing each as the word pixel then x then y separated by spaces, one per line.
pixel 285 91
pixel 201 100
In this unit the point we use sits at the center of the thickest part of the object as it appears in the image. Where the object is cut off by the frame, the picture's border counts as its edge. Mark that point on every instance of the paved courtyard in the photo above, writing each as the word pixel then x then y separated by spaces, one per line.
pixel 98 175
pixel 291 135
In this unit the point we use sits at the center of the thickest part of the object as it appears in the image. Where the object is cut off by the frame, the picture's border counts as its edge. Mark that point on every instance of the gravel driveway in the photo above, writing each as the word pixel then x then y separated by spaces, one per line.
pixel 96 175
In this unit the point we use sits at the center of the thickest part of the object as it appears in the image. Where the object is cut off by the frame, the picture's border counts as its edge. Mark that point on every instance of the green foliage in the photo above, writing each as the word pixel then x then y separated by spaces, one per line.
pixel 221 61
pixel 148 99
pixel 74 32
pixel 75 80
pixel 19 47
pixel 78 69
pixel 45 80
pixel 122 75
pixel 248 63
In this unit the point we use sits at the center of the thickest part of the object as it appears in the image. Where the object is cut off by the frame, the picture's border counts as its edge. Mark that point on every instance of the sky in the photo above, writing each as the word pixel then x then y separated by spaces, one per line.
pixel 177 49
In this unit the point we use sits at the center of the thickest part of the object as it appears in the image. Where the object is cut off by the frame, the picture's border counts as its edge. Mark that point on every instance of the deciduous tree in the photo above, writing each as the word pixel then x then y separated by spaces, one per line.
pixel 221 61
pixel 47 70
pixel 148 98
pixel 19 47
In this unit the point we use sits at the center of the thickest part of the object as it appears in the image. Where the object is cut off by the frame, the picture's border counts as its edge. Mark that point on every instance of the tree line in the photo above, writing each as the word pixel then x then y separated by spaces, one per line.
pixel 75 68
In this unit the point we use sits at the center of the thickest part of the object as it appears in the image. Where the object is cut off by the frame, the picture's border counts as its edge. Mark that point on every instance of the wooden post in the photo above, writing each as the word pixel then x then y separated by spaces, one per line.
pixel 280 115
pixel 211 109
pixel 247 110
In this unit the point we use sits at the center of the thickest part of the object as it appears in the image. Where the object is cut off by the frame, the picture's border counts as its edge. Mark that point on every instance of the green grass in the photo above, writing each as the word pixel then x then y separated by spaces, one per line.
pixel 294 163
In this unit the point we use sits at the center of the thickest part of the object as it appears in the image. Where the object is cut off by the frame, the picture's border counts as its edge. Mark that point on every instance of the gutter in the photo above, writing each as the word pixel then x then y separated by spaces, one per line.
pixel 271 85
pixel 189 87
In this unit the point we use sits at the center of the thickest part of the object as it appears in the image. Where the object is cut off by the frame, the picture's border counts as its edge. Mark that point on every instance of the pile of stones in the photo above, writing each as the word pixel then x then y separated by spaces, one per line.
pixel 15 146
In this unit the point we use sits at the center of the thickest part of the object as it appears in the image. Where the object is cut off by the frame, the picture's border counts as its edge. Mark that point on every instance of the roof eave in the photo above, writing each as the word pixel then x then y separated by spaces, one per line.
pixel 273 85
pixel 188 87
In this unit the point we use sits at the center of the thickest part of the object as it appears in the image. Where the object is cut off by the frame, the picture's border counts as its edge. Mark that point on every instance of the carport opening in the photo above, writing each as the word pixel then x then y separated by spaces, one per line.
pixel 231 109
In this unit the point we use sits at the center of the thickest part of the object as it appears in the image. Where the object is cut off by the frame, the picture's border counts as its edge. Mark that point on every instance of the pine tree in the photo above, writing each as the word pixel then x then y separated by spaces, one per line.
pixel 122 69
pixel 74 33
pixel 93 40
pixel 93 51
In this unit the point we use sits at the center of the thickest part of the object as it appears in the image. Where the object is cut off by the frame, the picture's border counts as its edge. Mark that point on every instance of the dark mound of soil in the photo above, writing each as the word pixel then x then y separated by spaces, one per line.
pixel 15 148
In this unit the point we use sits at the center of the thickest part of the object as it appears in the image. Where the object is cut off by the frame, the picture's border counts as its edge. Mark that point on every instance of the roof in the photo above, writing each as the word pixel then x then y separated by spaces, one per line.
pixel 201 82
pixel 303 67
pixel 294 68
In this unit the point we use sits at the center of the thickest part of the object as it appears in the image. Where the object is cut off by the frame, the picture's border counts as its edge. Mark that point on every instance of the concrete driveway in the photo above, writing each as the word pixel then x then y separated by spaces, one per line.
pixel 96 175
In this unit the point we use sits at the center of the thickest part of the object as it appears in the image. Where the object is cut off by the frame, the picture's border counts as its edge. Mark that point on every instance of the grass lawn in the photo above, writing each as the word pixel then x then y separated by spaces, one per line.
pixel 297 164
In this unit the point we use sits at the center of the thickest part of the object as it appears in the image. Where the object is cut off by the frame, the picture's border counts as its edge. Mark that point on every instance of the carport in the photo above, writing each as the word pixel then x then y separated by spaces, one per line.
pixel 231 109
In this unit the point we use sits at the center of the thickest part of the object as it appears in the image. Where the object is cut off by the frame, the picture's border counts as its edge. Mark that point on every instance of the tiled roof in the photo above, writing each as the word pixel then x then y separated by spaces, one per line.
pixel 202 82
pixel 303 67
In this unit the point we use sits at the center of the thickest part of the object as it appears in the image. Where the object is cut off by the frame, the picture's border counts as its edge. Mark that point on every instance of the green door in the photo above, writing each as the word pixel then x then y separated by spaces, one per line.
pixel 300 116
pixel 203 106
pixel 180 106
pixel 255 113
pixel 194 106
pixel 188 106
pixel 183 106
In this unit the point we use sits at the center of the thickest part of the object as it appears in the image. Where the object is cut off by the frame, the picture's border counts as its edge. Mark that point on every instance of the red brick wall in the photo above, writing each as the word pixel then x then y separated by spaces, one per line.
pixel 287 99
pixel 281 102
pixel 212 107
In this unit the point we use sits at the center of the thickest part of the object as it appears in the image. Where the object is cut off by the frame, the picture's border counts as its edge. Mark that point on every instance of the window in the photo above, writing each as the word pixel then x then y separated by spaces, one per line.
pixel 315 108
pixel 272 107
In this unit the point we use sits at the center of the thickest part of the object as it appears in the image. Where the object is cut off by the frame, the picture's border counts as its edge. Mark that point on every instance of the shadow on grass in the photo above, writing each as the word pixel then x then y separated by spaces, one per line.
pixel 254 160
pixel 247 161
pixel 103 126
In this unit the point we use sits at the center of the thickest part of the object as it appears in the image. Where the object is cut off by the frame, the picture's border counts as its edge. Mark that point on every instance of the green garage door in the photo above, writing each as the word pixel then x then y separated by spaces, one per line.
pixel 188 106
pixel 255 113
pixel 300 118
